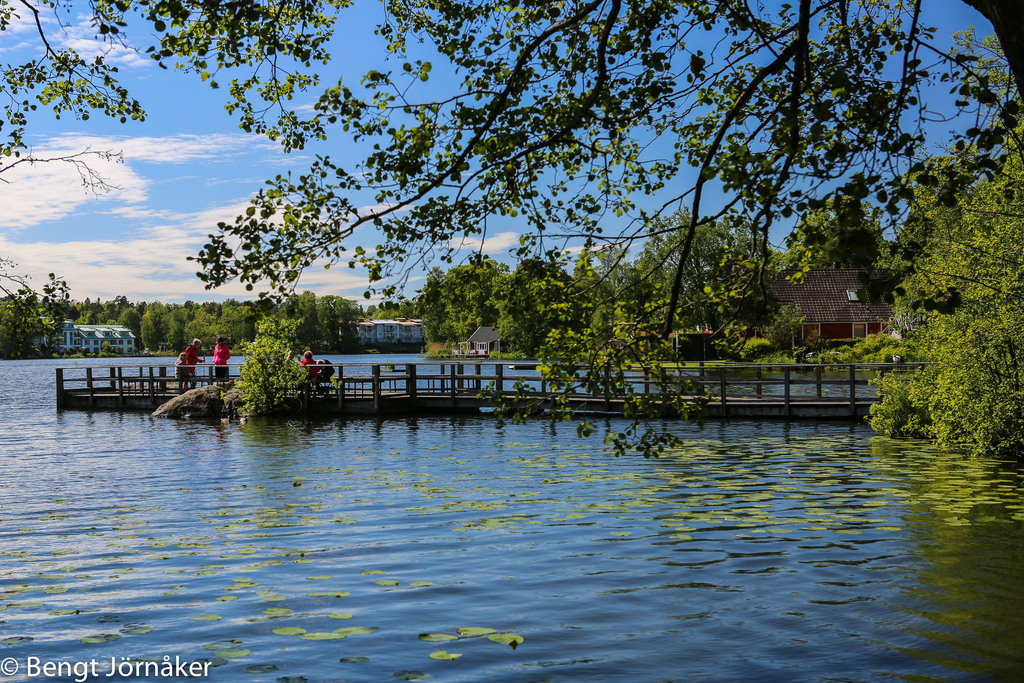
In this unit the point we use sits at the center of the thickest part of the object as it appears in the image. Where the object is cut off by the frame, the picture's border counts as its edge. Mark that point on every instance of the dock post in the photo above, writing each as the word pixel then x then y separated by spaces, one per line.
pixel 92 390
pixel 410 380
pixel 341 388
pixel 787 385
pixel 853 390
pixel 759 383
pixel 452 369
pixel 120 386
pixel 376 387
pixel 60 388
pixel 607 387
pixel 817 378
pixel 722 390
pixel 499 381
pixel 479 368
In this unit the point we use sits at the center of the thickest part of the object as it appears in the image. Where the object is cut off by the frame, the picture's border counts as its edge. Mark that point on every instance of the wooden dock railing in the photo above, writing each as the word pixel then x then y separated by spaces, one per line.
pixel 730 389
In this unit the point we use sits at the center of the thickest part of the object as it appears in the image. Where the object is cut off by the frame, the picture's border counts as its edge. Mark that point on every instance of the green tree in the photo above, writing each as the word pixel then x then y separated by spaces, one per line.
pixel 535 300
pixel 154 329
pixel 337 318
pixel 303 309
pixel 781 330
pixel 30 321
pixel 131 319
pixel 237 321
pixel 846 234
pixel 176 321
pixel 268 380
pixel 462 299
pixel 970 275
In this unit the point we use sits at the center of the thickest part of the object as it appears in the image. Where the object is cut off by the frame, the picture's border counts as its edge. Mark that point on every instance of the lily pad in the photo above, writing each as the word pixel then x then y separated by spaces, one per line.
pixel 233 653
pixel 100 638
pixel 357 630
pixel 339 615
pixel 16 640
pixel 408 675
pixel 289 631
pixel 437 637
pixel 323 635
pixel 277 611
pixel 205 617
pixel 511 639
pixel 354 660
pixel 443 655
pixel 475 631
pixel 260 669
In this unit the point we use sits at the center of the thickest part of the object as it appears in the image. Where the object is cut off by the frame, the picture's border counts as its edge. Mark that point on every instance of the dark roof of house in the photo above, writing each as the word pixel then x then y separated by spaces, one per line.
pixel 485 334
pixel 822 296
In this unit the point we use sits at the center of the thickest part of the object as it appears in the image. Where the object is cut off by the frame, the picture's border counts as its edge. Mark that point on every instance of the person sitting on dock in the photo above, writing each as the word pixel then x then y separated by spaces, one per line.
pixel 307 359
pixel 181 372
pixel 323 377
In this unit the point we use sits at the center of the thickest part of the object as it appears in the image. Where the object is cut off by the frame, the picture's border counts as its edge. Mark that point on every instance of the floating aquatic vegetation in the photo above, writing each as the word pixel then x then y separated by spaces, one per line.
pixel 444 655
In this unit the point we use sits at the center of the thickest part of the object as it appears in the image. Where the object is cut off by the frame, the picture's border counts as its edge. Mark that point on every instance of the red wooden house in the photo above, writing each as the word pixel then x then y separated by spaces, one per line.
pixel 830 302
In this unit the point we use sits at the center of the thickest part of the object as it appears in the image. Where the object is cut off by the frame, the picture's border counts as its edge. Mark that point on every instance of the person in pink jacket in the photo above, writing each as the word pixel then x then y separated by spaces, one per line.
pixel 221 354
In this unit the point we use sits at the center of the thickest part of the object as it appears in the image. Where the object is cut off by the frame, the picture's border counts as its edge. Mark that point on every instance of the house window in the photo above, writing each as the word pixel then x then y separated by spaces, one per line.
pixel 851 295
pixel 860 330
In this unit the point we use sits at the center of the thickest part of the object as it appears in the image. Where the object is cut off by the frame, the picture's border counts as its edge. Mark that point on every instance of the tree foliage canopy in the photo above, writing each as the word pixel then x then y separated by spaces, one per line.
pixel 587 119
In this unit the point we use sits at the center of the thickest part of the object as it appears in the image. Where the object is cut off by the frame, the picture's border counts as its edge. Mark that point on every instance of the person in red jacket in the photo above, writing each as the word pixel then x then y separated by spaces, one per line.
pixel 191 358
pixel 307 359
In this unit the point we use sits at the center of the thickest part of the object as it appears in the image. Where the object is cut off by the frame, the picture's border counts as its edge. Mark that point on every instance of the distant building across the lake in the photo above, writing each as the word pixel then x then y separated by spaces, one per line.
pixel 90 338
pixel 481 343
pixel 397 331
pixel 831 304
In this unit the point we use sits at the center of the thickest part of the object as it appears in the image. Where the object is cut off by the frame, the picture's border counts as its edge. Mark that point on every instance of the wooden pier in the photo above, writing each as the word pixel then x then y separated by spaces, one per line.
pixel 740 390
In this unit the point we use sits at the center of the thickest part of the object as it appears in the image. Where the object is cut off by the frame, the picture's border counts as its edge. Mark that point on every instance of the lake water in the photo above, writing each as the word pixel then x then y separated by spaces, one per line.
pixel 425 548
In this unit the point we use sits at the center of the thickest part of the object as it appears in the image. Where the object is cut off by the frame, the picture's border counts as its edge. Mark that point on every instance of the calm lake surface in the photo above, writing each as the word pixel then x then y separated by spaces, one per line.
pixel 424 548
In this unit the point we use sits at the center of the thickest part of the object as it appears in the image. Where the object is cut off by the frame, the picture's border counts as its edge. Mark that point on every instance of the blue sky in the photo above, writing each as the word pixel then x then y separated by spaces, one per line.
pixel 183 170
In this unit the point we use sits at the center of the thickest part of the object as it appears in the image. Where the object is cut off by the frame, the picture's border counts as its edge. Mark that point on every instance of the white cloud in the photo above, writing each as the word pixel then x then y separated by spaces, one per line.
pixel 47 191
pixel 44 192
pixel 492 244
pixel 153 264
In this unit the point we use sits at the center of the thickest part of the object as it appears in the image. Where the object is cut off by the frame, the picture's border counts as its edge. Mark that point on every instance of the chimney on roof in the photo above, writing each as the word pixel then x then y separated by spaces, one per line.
pixel 494 326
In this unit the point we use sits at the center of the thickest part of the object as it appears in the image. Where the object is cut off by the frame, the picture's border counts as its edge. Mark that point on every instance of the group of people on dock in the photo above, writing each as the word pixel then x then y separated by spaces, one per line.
pixel 185 366
pixel 320 372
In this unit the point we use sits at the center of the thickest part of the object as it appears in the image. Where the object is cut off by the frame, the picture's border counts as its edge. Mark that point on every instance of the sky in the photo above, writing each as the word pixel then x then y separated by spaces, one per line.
pixel 178 174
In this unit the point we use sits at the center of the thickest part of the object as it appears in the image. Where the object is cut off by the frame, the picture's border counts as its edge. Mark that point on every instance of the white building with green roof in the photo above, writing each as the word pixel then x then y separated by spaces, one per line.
pixel 91 338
